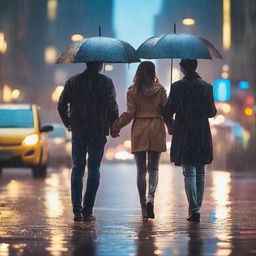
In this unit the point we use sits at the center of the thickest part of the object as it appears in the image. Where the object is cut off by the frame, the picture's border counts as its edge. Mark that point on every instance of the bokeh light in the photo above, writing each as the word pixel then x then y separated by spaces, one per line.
pixel 248 111
pixel 77 37
pixel 52 9
pixel 50 55
pixel 226 108
pixel 188 22
pixel 56 93
pixel 15 94
pixel 109 67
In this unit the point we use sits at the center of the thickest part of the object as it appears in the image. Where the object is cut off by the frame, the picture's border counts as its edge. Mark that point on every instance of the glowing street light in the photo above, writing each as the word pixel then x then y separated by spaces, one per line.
pixel 77 37
pixel 15 94
pixel 56 93
pixel 52 9
pixel 109 67
pixel 188 22
pixel 3 44
pixel 224 75
pixel 248 111
pixel 225 67
pixel 50 54
pixel 7 93
pixel 219 119
pixel 175 74
pixel 128 144
pixel 226 108
pixel 226 26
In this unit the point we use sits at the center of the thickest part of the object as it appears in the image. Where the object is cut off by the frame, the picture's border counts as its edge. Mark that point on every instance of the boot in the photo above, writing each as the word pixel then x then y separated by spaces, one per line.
pixel 144 211
pixel 150 207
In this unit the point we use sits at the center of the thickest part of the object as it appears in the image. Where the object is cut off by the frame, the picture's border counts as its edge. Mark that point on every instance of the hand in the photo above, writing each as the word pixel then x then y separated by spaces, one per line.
pixel 114 134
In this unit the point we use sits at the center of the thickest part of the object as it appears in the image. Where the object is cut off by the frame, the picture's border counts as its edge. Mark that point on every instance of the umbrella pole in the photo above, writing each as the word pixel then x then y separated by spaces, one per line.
pixel 171 69
pixel 174 30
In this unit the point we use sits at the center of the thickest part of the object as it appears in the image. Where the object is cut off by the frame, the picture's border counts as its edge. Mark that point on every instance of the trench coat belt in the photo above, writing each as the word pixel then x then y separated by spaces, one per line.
pixel 149 116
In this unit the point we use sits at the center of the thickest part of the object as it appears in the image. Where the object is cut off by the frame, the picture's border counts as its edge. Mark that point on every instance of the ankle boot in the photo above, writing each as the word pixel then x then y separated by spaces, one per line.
pixel 150 207
pixel 144 211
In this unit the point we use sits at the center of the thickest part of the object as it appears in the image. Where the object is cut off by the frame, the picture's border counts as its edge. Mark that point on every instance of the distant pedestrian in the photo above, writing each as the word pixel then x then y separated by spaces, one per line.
pixel 191 101
pixel 145 101
pixel 87 107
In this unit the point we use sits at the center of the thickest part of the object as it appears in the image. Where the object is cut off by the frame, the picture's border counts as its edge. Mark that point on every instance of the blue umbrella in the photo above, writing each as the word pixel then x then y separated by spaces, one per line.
pixel 179 46
pixel 104 49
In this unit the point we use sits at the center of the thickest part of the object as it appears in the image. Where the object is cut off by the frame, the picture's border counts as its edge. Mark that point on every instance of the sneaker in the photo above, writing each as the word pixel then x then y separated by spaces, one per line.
pixel 88 217
pixel 78 216
pixel 194 217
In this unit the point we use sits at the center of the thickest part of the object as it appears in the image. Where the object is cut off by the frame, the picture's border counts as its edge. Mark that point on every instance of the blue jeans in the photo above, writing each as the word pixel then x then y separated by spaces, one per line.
pixel 142 168
pixel 194 186
pixel 95 149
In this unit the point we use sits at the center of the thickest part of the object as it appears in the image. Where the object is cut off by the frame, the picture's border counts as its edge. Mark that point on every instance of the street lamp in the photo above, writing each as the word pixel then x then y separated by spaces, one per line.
pixel 248 111
pixel 77 37
pixel 52 9
pixel 50 54
pixel 109 67
pixel 188 22
pixel 3 44
pixel 15 94
pixel 226 26
pixel 7 93
pixel 56 93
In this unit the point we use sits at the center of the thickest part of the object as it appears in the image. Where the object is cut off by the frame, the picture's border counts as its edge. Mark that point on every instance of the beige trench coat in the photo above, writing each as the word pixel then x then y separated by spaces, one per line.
pixel 148 129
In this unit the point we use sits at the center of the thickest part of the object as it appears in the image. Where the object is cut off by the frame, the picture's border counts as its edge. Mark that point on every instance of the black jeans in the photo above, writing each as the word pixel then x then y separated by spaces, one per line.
pixel 142 168
pixel 95 149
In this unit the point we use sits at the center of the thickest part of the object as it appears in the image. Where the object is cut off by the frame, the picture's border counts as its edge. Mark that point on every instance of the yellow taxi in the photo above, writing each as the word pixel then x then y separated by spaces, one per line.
pixel 22 139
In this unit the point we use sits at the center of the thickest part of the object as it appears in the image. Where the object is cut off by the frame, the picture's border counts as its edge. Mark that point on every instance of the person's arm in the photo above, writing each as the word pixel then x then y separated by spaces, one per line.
pixel 211 110
pixel 170 108
pixel 112 107
pixel 63 109
pixel 127 116
pixel 163 105
pixel 163 99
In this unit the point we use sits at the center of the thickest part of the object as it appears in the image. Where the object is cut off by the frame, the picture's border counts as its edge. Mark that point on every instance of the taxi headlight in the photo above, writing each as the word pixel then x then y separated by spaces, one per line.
pixel 31 139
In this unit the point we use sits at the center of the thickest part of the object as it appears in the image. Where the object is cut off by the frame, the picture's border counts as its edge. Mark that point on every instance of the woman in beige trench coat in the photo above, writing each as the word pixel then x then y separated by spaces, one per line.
pixel 145 101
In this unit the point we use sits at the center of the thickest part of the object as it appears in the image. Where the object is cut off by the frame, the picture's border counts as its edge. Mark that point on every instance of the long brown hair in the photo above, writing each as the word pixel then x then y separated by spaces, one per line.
pixel 145 75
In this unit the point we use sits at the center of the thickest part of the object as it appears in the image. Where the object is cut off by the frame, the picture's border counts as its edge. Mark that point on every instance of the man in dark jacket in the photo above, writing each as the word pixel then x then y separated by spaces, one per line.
pixel 191 100
pixel 87 107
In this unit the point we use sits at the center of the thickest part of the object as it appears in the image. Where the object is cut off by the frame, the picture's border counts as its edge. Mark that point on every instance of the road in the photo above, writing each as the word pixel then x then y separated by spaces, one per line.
pixel 36 216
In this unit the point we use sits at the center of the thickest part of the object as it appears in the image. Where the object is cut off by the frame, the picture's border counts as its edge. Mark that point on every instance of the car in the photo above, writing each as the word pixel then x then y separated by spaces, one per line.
pixel 59 145
pixel 23 142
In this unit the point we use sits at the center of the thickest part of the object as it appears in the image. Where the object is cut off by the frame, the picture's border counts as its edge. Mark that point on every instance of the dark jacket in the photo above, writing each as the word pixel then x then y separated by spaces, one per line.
pixel 191 100
pixel 88 104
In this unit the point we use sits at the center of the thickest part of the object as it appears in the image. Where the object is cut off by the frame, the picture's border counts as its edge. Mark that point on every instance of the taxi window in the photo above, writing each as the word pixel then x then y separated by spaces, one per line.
pixel 16 118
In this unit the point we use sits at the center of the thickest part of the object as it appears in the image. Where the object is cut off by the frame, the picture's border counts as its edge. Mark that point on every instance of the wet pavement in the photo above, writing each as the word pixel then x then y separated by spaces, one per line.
pixel 36 216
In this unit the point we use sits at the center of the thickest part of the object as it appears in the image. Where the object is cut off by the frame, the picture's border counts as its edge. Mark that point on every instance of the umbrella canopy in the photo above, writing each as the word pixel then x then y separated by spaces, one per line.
pixel 104 49
pixel 177 46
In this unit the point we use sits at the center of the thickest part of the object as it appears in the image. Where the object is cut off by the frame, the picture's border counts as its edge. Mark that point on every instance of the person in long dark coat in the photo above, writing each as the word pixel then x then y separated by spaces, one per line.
pixel 191 101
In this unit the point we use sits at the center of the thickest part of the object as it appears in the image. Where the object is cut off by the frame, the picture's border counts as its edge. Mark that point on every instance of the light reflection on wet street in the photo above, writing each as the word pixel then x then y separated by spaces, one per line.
pixel 36 215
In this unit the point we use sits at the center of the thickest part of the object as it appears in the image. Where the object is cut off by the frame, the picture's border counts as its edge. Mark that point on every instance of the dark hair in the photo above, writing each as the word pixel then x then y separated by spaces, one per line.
pixel 145 75
pixel 189 65
pixel 94 67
